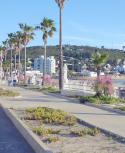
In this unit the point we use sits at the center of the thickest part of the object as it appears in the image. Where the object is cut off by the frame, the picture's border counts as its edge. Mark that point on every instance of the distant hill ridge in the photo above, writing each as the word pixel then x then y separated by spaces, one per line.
pixel 78 52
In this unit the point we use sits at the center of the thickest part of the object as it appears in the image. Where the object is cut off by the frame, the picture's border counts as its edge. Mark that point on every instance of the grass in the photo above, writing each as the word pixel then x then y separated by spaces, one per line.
pixel 49 115
pixel 101 100
pixel 8 93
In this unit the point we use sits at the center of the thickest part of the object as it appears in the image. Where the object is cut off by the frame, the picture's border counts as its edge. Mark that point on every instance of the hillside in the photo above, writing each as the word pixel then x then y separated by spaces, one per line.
pixel 78 52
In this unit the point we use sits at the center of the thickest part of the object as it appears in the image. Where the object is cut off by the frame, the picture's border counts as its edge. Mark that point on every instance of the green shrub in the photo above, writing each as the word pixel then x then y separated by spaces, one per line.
pixel 49 115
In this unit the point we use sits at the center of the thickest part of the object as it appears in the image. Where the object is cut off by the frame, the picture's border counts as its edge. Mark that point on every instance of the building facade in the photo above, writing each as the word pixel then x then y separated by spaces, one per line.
pixel 50 64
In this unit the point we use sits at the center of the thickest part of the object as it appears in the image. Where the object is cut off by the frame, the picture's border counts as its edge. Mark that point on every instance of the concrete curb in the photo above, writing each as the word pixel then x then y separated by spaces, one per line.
pixel 104 108
pixel 115 136
pixel 34 141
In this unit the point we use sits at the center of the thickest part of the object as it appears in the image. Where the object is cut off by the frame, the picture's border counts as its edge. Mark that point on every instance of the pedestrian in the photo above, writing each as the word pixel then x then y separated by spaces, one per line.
pixel 14 80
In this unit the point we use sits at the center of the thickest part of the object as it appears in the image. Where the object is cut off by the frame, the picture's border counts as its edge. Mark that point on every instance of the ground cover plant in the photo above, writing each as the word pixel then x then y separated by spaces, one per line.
pixel 49 115
pixel 122 108
pixel 86 131
pixel 101 100
pixel 8 93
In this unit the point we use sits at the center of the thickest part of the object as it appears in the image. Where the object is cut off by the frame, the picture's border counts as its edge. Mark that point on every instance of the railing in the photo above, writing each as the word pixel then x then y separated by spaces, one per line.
pixel 79 85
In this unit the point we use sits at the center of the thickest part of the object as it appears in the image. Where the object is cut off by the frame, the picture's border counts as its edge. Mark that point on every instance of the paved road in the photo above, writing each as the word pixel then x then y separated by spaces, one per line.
pixel 107 120
pixel 11 140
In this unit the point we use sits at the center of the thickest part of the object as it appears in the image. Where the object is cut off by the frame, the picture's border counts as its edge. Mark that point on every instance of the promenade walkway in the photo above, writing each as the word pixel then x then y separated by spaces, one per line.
pixel 11 141
pixel 110 121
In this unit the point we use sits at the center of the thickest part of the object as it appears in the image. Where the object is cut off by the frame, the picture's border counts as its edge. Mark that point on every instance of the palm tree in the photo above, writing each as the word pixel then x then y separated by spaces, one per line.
pixel 11 45
pixel 5 48
pixel 61 6
pixel 1 61
pixel 18 45
pixel 27 36
pixel 14 44
pixel 47 26
pixel 99 60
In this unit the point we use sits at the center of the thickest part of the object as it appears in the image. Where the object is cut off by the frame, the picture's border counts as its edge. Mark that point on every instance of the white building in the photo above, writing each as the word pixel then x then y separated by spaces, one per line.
pixel 50 64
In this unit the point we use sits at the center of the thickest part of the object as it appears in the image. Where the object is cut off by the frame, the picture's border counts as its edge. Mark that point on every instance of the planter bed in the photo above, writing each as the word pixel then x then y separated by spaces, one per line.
pixel 69 136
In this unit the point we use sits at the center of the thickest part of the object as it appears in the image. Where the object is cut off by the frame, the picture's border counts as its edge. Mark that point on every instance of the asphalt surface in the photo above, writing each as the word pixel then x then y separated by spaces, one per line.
pixel 11 141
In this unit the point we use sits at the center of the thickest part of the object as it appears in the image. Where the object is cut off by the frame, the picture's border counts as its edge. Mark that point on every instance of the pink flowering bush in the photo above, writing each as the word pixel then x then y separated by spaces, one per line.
pixel 47 80
pixel 104 85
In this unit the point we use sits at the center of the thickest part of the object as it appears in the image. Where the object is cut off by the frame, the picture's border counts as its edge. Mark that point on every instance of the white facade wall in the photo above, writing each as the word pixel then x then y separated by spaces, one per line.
pixel 50 64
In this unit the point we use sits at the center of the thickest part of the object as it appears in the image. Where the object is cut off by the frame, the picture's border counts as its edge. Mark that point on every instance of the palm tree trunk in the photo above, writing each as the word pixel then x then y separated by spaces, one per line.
pixel 98 72
pixel 19 60
pixel 5 57
pixel 11 63
pixel 98 77
pixel 1 64
pixel 44 65
pixel 61 54
pixel 15 63
pixel 25 64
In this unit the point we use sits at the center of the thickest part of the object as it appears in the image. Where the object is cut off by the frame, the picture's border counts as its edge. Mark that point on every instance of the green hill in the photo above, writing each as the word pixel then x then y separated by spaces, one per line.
pixel 78 52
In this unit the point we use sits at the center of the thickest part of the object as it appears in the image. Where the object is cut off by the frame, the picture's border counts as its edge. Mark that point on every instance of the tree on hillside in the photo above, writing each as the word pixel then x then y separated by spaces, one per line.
pixel 47 26
pixel 27 36
pixel 61 6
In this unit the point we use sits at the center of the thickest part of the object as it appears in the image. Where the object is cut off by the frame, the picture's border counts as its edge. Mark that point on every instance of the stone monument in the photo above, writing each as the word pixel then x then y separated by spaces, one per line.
pixel 65 73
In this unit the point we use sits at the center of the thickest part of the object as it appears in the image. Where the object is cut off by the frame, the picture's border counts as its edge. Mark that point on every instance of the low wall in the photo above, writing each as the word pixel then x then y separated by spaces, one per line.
pixel 78 87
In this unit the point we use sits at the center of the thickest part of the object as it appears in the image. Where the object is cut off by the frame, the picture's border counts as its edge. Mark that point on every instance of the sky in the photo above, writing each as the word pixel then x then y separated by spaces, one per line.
pixel 85 22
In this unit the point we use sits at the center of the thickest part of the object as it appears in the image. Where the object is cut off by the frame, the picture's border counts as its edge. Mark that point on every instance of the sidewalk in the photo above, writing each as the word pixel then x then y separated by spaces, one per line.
pixel 11 140
pixel 109 121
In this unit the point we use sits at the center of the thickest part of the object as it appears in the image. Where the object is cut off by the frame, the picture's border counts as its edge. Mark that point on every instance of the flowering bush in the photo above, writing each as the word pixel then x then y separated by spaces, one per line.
pixel 47 80
pixel 104 85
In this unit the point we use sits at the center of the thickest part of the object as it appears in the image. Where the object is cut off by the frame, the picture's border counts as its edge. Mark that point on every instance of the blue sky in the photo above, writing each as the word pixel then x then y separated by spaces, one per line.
pixel 85 22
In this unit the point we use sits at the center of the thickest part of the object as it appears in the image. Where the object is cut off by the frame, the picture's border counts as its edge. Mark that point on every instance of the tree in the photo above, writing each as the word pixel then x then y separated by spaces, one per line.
pixel 11 46
pixel 6 67
pixel 1 61
pixel 99 60
pixel 15 51
pixel 61 6
pixel 18 46
pixel 27 36
pixel 47 27
pixel 5 48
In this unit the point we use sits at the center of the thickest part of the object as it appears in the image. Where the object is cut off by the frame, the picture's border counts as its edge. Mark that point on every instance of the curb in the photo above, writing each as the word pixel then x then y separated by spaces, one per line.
pixel 115 136
pixel 34 141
